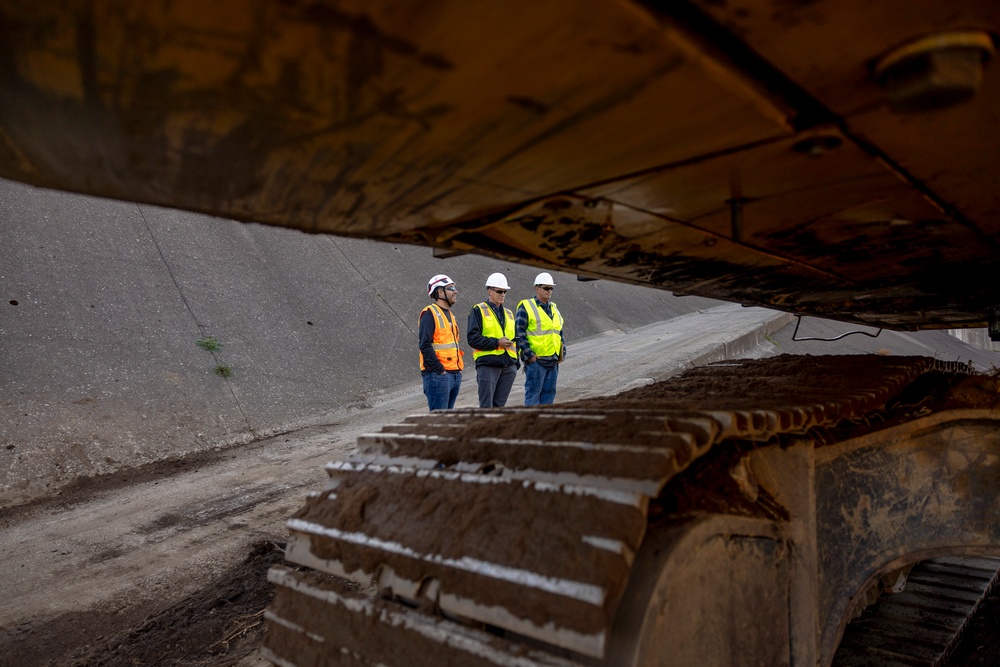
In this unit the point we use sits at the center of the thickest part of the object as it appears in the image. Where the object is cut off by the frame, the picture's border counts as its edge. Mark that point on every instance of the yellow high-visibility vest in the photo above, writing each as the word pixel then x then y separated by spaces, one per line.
pixel 544 332
pixel 492 329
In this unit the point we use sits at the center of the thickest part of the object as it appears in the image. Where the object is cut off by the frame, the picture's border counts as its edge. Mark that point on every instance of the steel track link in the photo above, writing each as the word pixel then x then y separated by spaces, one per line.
pixel 528 519
pixel 922 625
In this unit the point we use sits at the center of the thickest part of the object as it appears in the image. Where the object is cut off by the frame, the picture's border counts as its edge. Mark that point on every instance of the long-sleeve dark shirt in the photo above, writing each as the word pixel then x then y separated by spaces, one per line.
pixel 476 339
pixel 425 334
pixel 521 333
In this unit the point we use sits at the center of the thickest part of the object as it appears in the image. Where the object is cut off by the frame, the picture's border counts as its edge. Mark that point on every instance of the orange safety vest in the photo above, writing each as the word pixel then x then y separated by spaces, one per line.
pixel 445 339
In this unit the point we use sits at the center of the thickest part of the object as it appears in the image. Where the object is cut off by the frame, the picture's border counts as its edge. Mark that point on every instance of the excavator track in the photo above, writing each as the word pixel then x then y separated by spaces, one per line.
pixel 509 536
pixel 921 625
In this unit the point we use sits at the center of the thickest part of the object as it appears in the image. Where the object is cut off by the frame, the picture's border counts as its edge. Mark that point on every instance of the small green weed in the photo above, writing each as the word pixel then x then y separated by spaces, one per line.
pixel 223 370
pixel 772 341
pixel 208 343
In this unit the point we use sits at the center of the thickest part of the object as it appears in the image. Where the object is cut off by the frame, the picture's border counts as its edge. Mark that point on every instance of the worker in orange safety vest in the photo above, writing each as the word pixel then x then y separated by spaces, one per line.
pixel 440 355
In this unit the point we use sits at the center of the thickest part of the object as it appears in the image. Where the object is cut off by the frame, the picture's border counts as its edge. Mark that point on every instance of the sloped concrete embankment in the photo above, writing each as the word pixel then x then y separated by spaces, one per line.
pixel 103 302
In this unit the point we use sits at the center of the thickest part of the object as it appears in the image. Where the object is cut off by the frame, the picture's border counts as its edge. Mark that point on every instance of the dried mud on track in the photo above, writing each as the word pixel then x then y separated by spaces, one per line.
pixel 220 625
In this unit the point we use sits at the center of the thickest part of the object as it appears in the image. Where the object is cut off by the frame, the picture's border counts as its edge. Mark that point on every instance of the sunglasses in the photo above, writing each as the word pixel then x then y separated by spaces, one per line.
pixel 451 289
pixel 547 289
pixel 499 291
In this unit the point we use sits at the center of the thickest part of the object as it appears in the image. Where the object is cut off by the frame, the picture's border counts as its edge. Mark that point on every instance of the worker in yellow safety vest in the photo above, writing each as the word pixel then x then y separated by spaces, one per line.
pixel 538 328
pixel 440 355
pixel 491 335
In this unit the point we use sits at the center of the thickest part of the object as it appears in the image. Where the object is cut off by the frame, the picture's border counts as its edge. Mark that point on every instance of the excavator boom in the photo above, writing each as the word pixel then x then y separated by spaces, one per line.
pixel 829 158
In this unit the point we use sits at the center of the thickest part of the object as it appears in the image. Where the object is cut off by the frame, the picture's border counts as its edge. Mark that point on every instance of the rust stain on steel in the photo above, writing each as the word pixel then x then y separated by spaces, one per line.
pixel 214 127
pixel 585 236
pixel 598 107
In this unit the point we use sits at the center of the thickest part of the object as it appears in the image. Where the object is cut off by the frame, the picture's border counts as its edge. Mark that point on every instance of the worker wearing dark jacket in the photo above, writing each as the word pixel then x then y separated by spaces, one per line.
pixel 491 336
pixel 440 355
pixel 539 337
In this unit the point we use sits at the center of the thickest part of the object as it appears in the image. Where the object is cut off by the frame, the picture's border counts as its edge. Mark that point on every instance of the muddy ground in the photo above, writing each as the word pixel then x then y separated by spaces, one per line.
pixel 221 625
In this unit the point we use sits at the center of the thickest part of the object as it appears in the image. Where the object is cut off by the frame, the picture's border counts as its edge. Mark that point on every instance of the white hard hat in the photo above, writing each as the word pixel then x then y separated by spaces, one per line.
pixel 440 280
pixel 544 279
pixel 497 280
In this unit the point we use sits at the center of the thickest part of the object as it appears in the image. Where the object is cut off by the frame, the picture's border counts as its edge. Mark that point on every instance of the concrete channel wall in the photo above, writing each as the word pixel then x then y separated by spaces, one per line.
pixel 102 303
pixel 976 338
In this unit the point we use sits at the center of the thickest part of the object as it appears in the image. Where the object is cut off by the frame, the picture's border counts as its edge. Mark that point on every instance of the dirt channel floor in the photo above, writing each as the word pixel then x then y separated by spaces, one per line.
pixel 147 618
pixel 166 565
pixel 220 624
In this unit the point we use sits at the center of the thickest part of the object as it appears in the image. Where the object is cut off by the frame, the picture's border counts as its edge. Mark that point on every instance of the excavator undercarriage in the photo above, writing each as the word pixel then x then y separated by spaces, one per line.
pixel 833 158
pixel 733 515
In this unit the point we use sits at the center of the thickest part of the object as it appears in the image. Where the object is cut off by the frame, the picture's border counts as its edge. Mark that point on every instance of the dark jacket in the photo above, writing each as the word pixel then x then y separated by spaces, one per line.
pixel 476 339
pixel 425 336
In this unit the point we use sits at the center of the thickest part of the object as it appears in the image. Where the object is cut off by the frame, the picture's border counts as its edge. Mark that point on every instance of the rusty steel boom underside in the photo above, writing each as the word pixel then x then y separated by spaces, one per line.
pixel 832 158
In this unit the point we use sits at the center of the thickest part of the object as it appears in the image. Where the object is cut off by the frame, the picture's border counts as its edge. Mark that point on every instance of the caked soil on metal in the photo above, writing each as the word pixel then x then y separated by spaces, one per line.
pixel 221 626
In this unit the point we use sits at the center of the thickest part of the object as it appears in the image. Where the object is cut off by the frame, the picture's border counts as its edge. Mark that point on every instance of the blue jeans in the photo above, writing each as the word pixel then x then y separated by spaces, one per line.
pixel 540 384
pixel 442 390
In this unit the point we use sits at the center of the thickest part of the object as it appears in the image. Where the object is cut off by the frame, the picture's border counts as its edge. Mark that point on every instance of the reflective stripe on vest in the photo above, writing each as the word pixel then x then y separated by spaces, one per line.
pixel 491 329
pixel 543 331
pixel 445 340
